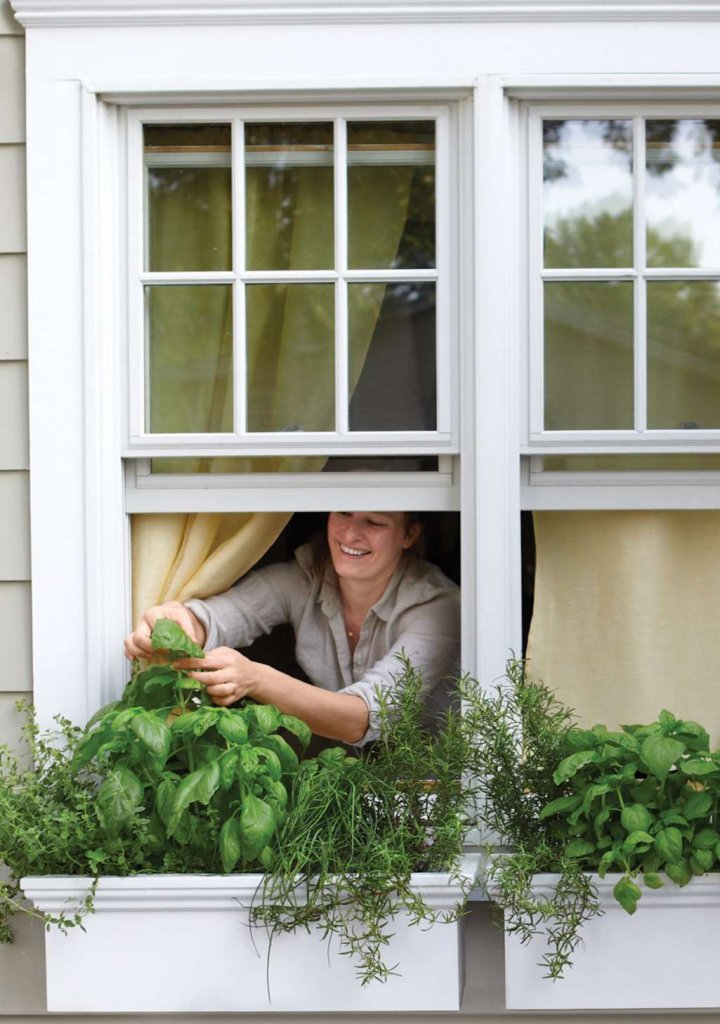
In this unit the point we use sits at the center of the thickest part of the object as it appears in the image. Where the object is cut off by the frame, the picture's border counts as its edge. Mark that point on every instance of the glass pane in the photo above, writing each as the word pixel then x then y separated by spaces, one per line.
pixel 391 194
pixel 298 464
pixel 587 193
pixel 189 199
pixel 392 356
pixel 189 358
pixel 631 463
pixel 589 355
pixel 290 356
pixel 289 196
pixel 683 354
pixel 683 193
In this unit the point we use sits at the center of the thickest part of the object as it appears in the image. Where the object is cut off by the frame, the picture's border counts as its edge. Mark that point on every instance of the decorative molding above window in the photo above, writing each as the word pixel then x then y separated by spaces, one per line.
pixel 70 13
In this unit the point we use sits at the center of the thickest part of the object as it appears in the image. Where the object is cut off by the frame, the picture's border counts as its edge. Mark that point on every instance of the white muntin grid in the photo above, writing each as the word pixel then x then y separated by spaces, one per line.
pixel 139 441
pixel 640 438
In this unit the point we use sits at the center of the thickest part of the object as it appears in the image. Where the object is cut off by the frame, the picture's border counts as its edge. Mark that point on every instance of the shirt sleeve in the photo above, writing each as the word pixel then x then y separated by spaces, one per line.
pixel 254 606
pixel 430 637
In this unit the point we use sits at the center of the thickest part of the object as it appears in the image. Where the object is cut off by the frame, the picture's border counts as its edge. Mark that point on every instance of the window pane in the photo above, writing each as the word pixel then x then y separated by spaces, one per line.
pixel 298 464
pixel 291 357
pixel 392 356
pixel 289 196
pixel 681 463
pixel 588 355
pixel 391 194
pixel 683 193
pixel 189 199
pixel 189 358
pixel 684 354
pixel 587 193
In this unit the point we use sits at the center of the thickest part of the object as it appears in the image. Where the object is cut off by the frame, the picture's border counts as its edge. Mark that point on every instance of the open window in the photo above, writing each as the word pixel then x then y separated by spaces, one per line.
pixel 620 461
pixel 292 335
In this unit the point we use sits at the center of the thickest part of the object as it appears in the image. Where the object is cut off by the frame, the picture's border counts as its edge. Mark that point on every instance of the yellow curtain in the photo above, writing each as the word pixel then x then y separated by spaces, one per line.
pixel 625 620
pixel 180 556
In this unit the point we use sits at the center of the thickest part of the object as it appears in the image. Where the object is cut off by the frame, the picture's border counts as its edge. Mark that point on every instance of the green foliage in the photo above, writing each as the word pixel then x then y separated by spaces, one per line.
pixel 641 801
pixel 359 827
pixel 160 780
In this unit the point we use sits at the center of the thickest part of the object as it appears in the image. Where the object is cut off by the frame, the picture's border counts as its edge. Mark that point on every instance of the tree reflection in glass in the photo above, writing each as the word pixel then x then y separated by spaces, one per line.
pixel 587 175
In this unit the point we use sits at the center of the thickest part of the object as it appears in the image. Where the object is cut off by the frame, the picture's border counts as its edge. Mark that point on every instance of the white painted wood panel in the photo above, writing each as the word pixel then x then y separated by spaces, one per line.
pixel 14 446
pixel 14 526
pixel 12 89
pixel 13 303
pixel 15 637
pixel 8 23
pixel 13 221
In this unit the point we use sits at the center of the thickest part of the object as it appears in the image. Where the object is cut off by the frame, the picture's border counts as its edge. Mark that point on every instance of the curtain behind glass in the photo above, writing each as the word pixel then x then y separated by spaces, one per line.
pixel 625 619
pixel 178 556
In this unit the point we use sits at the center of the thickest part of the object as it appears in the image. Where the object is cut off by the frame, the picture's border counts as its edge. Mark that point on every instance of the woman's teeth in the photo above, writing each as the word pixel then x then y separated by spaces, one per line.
pixel 355 552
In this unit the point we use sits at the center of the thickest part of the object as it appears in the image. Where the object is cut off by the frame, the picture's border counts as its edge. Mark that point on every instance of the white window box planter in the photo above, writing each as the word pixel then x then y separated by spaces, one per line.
pixel 664 956
pixel 183 943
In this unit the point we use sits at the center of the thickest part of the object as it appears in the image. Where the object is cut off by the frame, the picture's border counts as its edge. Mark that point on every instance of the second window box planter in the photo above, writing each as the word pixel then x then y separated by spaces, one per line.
pixel 662 957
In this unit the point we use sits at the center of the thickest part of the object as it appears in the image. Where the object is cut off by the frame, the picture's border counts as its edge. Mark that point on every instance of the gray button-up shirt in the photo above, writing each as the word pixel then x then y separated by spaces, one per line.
pixel 419 614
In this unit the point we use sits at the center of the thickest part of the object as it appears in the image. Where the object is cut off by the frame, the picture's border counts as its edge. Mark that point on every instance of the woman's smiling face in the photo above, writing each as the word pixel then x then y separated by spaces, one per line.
pixel 367 546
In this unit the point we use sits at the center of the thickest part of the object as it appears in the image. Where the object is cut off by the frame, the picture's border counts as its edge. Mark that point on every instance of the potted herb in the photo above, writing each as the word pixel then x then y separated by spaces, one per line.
pixel 171 824
pixel 605 890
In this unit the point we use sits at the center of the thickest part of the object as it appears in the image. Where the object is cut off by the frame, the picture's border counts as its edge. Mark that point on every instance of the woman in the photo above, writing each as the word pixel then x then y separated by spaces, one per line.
pixel 354 608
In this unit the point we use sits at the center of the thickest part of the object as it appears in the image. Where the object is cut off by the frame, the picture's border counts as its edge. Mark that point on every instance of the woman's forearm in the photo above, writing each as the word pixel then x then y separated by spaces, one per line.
pixel 329 714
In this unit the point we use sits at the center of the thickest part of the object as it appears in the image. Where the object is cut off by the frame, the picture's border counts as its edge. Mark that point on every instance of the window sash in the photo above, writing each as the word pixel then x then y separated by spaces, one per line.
pixel 138 440
pixel 640 438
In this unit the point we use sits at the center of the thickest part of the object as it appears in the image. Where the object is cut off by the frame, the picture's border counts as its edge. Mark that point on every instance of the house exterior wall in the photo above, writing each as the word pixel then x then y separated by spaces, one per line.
pixel 22 966
pixel 14 449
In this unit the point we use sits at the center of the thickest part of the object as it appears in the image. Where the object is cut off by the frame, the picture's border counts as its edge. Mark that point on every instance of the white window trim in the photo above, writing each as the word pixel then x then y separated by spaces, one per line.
pixel 83 13
pixel 78 327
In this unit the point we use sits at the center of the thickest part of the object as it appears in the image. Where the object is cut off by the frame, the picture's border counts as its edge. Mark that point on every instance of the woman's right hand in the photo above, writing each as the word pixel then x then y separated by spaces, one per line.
pixel 138 644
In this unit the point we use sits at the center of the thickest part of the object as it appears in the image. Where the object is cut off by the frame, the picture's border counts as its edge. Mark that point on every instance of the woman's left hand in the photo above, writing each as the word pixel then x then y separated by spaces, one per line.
pixel 227 675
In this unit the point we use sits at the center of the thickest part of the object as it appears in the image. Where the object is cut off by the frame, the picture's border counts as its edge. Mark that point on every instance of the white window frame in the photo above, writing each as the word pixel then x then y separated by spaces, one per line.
pixel 443 439
pixel 567 490
pixel 79 328
pixel 640 439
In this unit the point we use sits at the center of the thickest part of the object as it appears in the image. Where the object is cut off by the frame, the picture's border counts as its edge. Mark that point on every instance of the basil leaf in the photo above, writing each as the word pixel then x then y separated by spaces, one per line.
pixel 257 825
pixel 559 805
pixel 627 894
pixel 119 797
pixel 230 844
pixel 698 805
pixel 168 636
pixel 232 726
pixel 152 733
pixel 660 753
pixel 569 766
pixel 200 785
pixel 262 718
pixel 636 818
pixel 301 730
pixel 669 844
pixel 285 753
